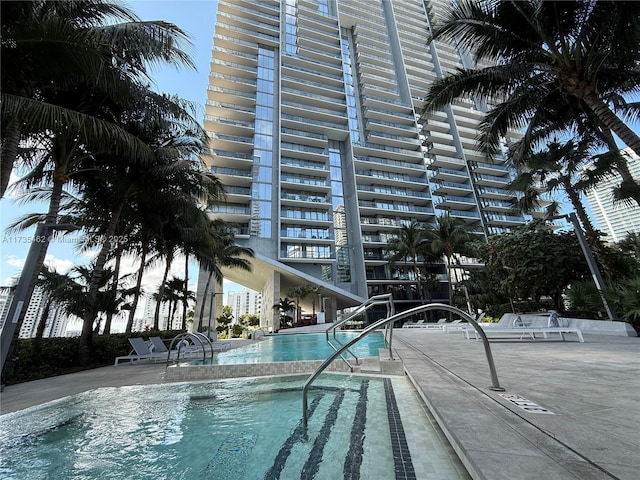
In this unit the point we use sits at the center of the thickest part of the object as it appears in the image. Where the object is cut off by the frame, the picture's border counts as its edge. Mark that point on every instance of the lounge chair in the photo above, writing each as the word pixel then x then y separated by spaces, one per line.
pixel 525 329
pixel 417 324
pixel 142 352
pixel 158 346
pixel 439 324
pixel 455 325
pixel 555 325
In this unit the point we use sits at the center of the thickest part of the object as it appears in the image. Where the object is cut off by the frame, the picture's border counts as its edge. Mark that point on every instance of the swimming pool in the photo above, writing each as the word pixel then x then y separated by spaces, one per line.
pixel 298 346
pixel 229 429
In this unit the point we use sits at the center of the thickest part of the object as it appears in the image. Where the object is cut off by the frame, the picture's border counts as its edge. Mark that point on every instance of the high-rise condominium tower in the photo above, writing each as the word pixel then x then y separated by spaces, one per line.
pixel 314 126
pixel 617 220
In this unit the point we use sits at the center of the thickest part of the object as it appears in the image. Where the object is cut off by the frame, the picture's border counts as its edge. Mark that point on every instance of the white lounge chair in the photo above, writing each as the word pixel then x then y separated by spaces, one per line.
pixel 142 352
pixel 417 324
pixel 525 329
pixel 455 325
pixel 555 325
pixel 439 324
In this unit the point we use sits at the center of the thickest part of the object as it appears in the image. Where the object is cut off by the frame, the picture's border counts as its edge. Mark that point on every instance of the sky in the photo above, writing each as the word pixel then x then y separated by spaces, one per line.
pixel 195 17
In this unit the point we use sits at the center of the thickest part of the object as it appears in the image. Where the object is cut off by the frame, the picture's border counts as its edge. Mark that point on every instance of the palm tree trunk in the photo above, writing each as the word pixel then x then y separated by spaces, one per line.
pixel 86 336
pixel 156 316
pixel 592 237
pixel 114 288
pixel 173 312
pixel 450 285
pixel 43 319
pixel 9 154
pixel 204 299
pixel 608 118
pixel 50 219
pixel 185 293
pixel 136 295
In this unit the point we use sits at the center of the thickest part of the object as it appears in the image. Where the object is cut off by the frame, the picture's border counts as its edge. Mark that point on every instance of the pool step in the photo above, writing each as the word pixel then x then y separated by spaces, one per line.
pixel 329 416
pixel 381 365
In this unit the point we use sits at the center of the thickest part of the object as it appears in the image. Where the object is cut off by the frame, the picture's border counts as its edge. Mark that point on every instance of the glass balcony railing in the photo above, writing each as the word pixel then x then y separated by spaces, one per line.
pixel 296 162
pixel 230 171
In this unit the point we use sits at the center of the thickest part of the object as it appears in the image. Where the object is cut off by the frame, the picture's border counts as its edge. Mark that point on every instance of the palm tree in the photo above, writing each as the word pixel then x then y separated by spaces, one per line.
pixel 53 285
pixel 299 293
pixel 53 52
pixel 408 245
pixel 284 306
pixel 84 110
pixel 185 296
pixel 174 290
pixel 450 237
pixel 560 167
pixel 631 244
pixel 543 52
pixel 218 249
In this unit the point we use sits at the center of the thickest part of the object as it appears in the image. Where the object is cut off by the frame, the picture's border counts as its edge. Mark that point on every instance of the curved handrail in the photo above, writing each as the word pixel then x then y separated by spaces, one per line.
pixel 495 384
pixel 384 299
pixel 200 337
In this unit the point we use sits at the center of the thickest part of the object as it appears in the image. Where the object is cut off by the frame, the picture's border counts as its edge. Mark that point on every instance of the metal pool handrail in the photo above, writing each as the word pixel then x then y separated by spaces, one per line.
pixel 495 384
pixel 385 299
pixel 200 337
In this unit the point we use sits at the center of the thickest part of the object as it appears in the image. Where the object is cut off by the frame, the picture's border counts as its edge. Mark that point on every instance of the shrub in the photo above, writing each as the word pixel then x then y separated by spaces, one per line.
pixel 49 357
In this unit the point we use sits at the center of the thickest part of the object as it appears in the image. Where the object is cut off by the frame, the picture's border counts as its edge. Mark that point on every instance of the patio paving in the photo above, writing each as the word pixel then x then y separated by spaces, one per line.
pixel 583 420
pixel 590 392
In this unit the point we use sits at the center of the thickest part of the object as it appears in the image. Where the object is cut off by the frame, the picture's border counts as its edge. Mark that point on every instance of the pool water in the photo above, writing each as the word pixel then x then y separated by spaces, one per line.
pixel 300 346
pixel 229 429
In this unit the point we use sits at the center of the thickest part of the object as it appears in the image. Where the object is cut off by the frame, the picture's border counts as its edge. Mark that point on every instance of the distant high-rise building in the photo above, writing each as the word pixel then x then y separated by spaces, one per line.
pixel 615 219
pixel 149 315
pixel 55 322
pixel 33 313
pixel 6 295
pixel 244 302
pixel 314 127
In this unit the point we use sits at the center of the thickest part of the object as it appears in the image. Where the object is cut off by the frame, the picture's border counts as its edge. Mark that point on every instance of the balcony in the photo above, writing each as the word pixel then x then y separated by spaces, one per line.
pixel 451 188
pixel 491 180
pixel 449 175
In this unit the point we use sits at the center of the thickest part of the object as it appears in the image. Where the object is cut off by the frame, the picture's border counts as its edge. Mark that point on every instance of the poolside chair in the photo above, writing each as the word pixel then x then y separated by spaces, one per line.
pixel 142 352
pixel 417 324
pixel 439 324
pixel 455 325
pixel 158 346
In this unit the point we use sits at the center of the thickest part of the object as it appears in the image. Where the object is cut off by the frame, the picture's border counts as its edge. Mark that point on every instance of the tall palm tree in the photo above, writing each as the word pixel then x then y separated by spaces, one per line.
pixel 567 117
pixel 52 48
pixel 174 289
pixel 49 48
pixel 53 285
pixel 79 112
pixel 408 244
pixel 450 237
pixel 560 167
pixel 218 249
pixel 543 52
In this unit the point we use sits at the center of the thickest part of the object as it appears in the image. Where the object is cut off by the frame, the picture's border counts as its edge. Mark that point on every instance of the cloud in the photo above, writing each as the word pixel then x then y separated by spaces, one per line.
pixel 14 261
pixel 60 265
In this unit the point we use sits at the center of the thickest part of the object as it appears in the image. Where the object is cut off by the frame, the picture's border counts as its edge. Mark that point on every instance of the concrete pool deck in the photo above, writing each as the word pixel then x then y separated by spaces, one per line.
pixel 592 390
